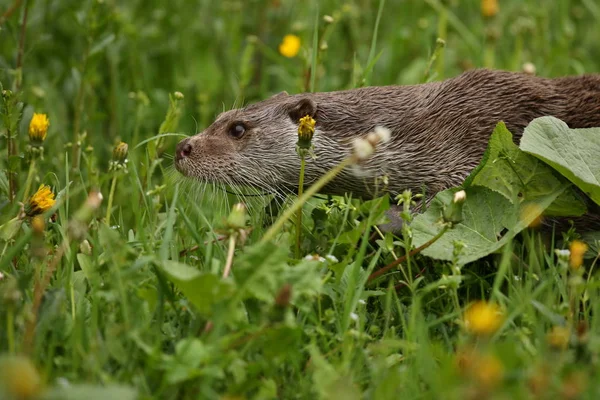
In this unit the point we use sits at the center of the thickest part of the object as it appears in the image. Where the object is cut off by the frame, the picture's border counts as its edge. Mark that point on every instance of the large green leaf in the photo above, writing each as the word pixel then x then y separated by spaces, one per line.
pixel 575 153
pixel 505 193
pixel 520 177
pixel 490 221
pixel 203 290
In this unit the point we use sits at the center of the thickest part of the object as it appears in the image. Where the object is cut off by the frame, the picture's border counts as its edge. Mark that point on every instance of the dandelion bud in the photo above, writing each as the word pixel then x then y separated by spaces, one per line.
pixel 38 128
pixel 489 8
pixel 85 247
pixel 483 318
pixel 306 130
pixel 578 250
pixel 290 46
pixel 40 202
pixel 453 212
pixel 237 217
pixel 120 152
pixel 328 19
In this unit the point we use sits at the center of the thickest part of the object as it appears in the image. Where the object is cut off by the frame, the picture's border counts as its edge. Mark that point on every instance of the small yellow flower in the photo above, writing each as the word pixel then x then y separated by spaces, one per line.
pixel 488 371
pixel 19 378
pixel 483 318
pixel 306 129
pixel 485 369
pixel 38 128
pixel 578 250
pixel 489 8
pixel 558 337
pixel 290 46
pixel 40 202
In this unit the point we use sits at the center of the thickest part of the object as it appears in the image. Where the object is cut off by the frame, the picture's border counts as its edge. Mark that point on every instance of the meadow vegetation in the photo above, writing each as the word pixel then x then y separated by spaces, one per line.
pixel 120 279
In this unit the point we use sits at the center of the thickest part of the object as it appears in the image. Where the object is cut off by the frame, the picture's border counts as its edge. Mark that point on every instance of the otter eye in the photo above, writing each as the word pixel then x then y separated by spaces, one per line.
pixel 237 130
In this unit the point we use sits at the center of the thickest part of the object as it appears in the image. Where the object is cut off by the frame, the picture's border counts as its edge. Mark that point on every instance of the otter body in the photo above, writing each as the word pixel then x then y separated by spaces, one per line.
pixel 439 131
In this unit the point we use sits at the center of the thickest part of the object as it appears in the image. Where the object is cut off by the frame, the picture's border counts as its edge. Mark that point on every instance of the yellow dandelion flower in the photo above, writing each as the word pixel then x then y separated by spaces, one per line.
pixel 19 378
pixel 290 46
pixel 483 318
pixel 40 202
pixel 306 129
pixel 489 8
pixel 558 337
pixel 488 371
pixel 38 127
pixel 578 250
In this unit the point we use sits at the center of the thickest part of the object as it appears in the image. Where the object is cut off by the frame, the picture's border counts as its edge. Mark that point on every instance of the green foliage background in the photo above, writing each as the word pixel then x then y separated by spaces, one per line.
pixel 146 311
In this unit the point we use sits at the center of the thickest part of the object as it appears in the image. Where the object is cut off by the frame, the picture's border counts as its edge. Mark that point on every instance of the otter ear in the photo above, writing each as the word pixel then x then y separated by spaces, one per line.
pixel 303 107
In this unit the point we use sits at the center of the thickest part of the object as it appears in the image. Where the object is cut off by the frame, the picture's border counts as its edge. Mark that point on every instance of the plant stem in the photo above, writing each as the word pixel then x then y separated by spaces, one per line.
pixel 111 196
pixel 318 185
pixel 38 292
pixel 299 216
pixel 29 179
pixel 10 328
pixel 21 48
pixel 394 263
pixel 230 252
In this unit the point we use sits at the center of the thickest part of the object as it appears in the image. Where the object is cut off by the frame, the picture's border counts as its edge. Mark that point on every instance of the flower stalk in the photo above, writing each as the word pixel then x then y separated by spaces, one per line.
pixel 304 147
pixel 117 164
pixel 363 149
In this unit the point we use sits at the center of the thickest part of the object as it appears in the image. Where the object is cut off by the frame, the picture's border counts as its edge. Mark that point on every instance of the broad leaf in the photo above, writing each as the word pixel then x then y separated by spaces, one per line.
pixel 520 177
pixel 203 290
pixel 575 153
pixel 505 193
pixel 490 221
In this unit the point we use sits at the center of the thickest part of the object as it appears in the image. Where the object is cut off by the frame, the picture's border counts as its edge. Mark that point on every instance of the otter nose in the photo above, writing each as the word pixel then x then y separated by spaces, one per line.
pixel 184 149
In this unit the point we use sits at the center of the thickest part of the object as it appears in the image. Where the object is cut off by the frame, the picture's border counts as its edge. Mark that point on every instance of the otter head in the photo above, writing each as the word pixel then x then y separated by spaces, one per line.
pixel 251 146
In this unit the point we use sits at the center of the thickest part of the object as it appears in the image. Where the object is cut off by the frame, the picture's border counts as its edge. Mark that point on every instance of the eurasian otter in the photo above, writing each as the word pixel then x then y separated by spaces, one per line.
pixel 439 131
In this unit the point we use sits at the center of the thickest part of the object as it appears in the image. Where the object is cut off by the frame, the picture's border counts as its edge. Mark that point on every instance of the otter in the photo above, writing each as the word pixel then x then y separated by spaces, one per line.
pixel 439 131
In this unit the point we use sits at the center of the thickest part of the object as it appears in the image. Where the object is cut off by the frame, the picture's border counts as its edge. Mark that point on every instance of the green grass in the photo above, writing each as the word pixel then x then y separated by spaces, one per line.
pixel 138 301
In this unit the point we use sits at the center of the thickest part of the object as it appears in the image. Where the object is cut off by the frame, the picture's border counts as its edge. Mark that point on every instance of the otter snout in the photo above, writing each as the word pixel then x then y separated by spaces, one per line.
pixel 183 150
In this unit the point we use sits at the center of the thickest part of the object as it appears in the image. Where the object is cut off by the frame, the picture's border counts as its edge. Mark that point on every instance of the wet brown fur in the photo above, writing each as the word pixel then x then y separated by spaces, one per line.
pixel 439 131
